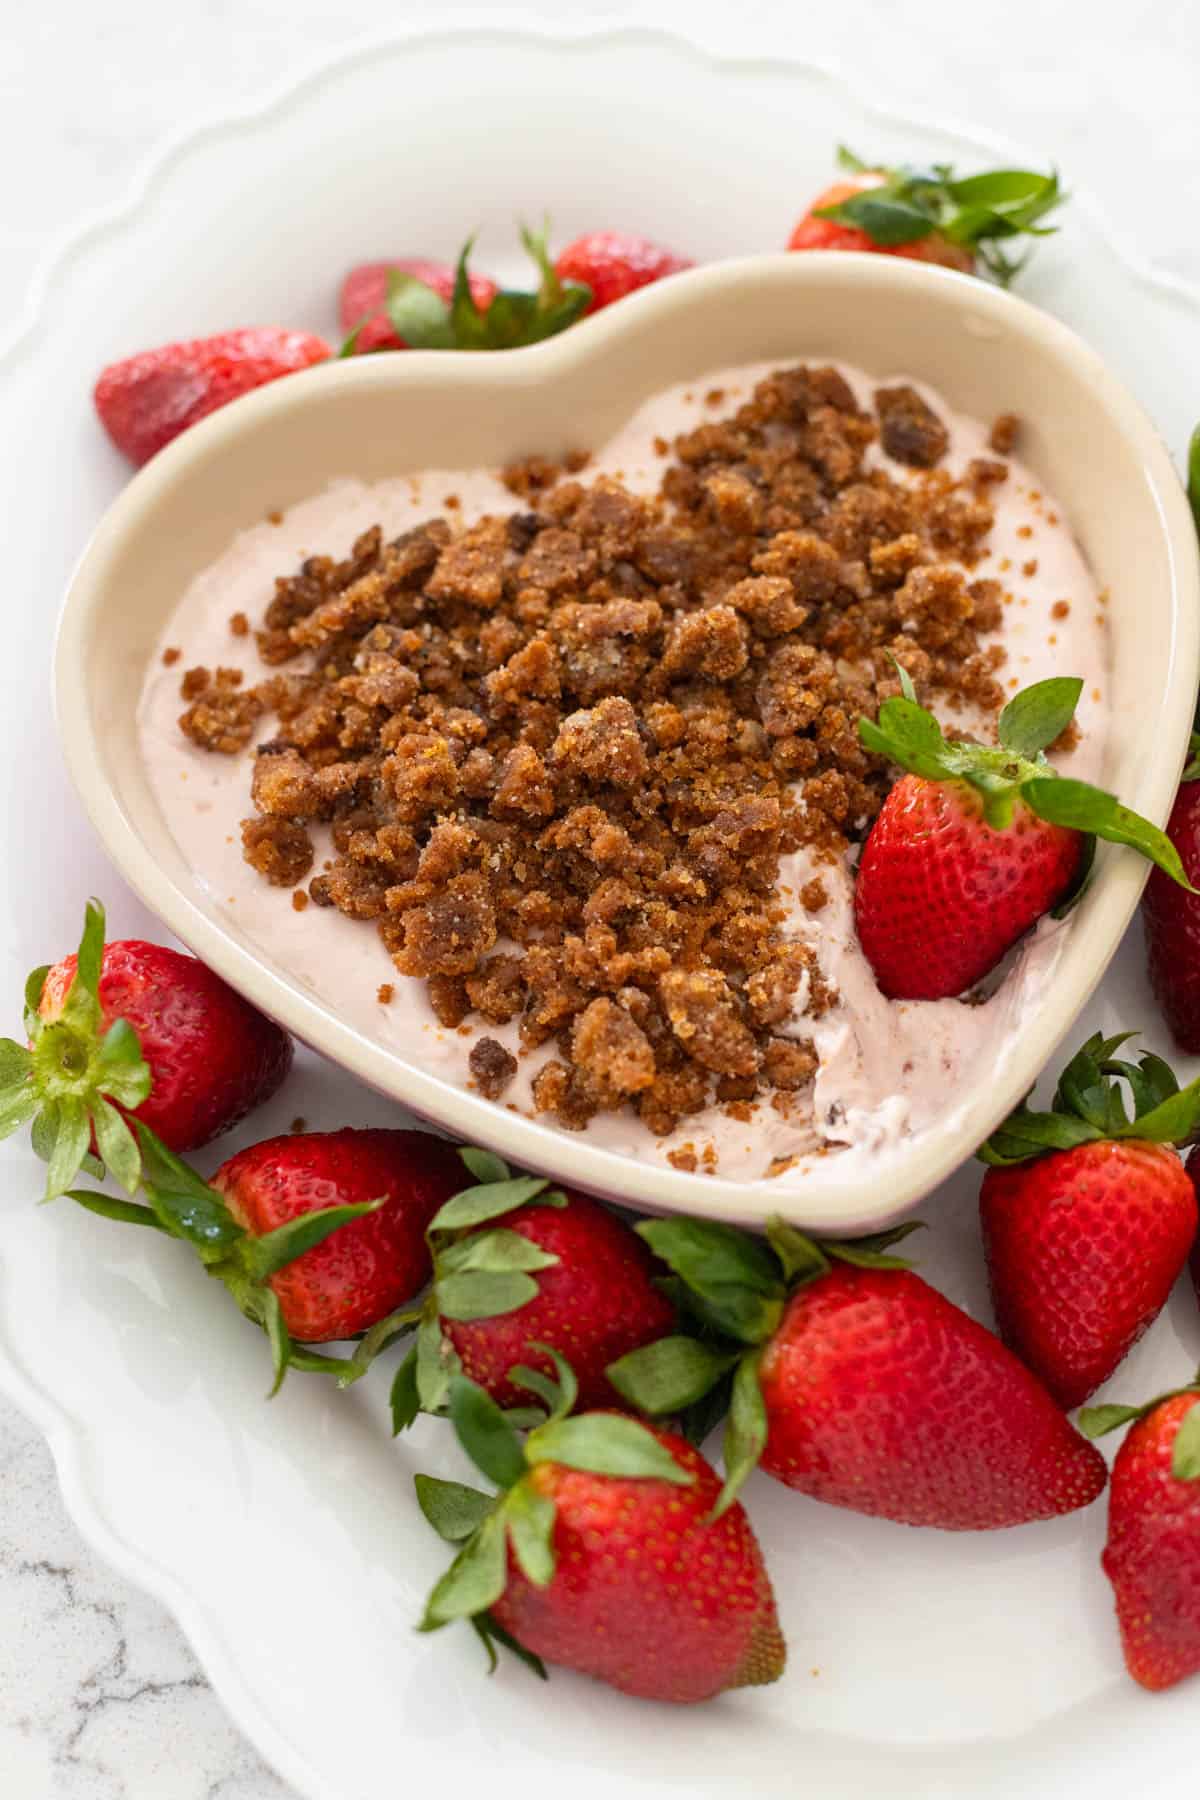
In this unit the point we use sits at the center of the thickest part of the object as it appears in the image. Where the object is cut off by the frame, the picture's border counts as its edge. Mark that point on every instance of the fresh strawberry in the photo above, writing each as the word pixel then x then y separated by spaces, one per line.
pixel 146 400
pixel 975 843
pixel 363 299
pixel 133 1030
pixel 601 1552
pixel 425 306
pixel 857 1383
pixel 930 215
pixel 1088 1216
pixel 265 1228
pixel 1171 917
pixel 615 263
pixel 1152 1556
pixel 356 1278
pixel 522 1270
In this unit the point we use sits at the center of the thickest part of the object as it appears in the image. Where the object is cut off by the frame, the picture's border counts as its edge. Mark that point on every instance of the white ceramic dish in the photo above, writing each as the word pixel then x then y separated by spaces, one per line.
pixel 984 350
pixel 284 1537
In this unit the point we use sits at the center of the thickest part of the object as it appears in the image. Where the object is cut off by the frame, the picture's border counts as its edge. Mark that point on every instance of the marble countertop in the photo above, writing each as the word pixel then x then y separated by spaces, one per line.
pixel 100 1696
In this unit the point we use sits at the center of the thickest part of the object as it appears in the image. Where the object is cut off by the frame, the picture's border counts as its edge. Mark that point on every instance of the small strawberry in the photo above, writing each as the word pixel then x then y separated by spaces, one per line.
pixel 421 313
pixel 930 215
pixel 601 1552
pixel 1171 917
pixel 615 263
pixel 370 1268
pixel 516 1264
pixel 133 1030
pixel 857 1383
pixel 146 400
pixel 1088 1217
pixel 363 299
pixel 264 1227
pixel 975 843
pixel 1152 1556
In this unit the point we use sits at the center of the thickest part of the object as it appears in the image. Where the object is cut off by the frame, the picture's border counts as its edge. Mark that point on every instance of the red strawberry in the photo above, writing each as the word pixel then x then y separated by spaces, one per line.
pixel 134 1030
pixel 1171 917
pixel 146 400
pixel 929 215
pixel 859 1384
pixel 601 1552
pixel 818 232
pixel 266 1229
pixel 1088 1217
pixel 370 1267
pixel 975 844
pixel 1152 1556
pixel 522 1270
pixel 364 293
pixel 615 263
pixel 419 305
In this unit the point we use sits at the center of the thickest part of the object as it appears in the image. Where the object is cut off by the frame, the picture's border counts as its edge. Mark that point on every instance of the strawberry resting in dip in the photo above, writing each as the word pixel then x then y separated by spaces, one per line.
pixel 975 843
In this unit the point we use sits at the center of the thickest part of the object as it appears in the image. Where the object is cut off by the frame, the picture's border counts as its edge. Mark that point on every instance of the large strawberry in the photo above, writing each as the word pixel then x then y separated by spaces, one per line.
pixel 522 1269
pixel 601 1552
pixel 265 1227
pixel 1152 1556
pixel 421 312
pixel 615 263
pixel 976 842
pixel 1171 917
pixel 1088 1216
pixel 930 214
pixel 146 400
pixel 133 1030
pixel 857 1383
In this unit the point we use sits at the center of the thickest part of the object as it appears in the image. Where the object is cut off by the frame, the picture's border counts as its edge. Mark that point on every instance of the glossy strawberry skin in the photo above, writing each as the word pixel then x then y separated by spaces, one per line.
pixel 364 292
pixel 1083 1248
pixel 369 1267
pixel 941 896
pixel 146 400
pixel 213 1057
pixel 1152 1556
pixel 1171 917
pixel 883 1397
pixel 827 234
pixel 647 1594
pixel 616 263
pixel 597 1303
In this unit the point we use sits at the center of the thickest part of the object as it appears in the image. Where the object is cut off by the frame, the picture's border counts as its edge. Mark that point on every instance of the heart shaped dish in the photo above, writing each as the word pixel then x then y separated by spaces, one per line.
pixel 378 419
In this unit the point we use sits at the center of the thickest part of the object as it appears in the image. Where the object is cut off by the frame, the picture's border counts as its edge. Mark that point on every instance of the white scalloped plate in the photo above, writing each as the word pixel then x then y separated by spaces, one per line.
pixel 284 1537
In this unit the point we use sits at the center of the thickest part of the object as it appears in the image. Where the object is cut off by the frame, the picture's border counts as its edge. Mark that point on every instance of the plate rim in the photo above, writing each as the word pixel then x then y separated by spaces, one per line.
pixel 68 1439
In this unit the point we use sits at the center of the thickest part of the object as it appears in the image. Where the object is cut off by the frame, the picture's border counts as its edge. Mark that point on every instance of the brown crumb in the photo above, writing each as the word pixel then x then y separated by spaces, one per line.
pixel 1002 438
pixel 684 1158
pixel 239 625
pixel 715 397
pixel 452 502
pixel 661 447
pixel 560 752
pixel 1060 609
pixel 299 900
pixel 385 993
pixel 1024 531
pixel 492 1066
pixel 171 656
pixel 274 517
pixel 298 1125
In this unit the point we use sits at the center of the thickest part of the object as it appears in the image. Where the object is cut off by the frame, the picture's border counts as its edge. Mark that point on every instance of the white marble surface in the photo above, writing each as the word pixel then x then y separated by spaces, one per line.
pixel 100 1697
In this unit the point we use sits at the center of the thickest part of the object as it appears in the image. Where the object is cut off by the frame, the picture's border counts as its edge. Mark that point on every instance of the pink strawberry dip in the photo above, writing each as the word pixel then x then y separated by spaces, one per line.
pixel 884 1072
